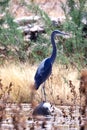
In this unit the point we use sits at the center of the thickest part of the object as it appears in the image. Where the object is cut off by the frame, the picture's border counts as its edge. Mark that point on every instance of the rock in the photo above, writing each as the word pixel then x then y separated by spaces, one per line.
pixel 26 20
pixel 46 108
pixel 25 29
pixel 36 28
pixel 42 109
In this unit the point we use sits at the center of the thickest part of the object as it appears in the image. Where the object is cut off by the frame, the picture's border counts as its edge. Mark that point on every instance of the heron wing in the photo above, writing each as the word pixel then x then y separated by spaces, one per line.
pixel 43 71
pixel 45 66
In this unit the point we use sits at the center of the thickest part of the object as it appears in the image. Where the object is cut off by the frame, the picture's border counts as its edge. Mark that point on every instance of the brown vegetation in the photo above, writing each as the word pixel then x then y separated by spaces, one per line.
pixel 83 93
pixel 61 87
pixel 83 81
pixel 83 86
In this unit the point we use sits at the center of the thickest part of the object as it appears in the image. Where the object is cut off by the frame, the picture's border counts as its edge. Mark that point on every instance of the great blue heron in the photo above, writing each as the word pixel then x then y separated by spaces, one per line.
pixel 45 68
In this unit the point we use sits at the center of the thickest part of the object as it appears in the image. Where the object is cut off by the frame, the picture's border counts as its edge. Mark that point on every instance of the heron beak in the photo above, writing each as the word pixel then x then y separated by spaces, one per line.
pixel 66 35
pixel 63 33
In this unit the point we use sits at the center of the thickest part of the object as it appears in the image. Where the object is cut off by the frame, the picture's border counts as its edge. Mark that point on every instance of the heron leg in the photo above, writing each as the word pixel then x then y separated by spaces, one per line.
pixel 43 91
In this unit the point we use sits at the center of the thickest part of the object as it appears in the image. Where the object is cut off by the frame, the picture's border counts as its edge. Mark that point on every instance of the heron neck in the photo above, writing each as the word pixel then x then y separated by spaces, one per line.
pixel 54 52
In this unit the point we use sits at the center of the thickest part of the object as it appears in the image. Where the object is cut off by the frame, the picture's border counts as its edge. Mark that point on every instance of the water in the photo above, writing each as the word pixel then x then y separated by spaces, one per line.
pixel 19 117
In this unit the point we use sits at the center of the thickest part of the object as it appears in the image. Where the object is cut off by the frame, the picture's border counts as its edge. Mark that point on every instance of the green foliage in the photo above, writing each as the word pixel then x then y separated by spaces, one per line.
pixel 3 5
pixel 76 45
pixel 73 49
pixel 11 39
pixel 41 48
pixel 46 21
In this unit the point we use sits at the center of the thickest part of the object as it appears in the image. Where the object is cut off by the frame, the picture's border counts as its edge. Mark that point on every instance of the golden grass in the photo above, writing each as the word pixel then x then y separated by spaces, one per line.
pixel 60 84
pixel 57 86
pixel 21 76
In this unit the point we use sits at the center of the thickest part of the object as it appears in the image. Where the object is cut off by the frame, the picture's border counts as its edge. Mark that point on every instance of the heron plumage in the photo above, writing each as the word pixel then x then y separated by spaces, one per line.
pixel 43 72
pixel 45 68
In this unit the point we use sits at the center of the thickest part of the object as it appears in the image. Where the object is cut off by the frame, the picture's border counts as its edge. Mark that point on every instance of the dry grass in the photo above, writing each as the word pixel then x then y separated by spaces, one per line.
pixel 21 76
pixel 61 91
pixel 58 87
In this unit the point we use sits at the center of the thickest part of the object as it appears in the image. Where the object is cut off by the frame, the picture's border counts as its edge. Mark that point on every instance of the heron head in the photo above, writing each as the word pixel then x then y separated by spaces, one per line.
pixel 59 33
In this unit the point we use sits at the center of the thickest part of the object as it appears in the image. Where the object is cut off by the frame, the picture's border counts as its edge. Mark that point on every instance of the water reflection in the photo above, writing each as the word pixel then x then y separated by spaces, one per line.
pixel 19 117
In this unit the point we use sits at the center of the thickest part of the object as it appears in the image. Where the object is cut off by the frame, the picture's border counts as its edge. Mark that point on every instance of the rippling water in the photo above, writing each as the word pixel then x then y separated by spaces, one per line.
pixel 19 117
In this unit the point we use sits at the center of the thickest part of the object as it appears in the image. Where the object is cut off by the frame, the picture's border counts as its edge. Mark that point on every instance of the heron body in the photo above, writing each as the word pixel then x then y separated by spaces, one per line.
pixel 45 68
pixel 43 72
